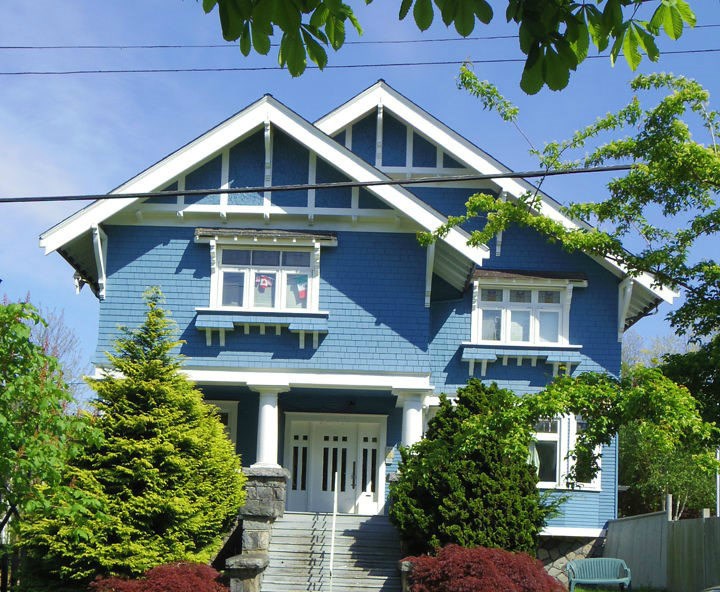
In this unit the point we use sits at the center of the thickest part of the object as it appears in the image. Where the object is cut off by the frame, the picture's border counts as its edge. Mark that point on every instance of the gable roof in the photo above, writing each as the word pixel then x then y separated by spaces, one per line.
pixel 646 293
pixel 265 110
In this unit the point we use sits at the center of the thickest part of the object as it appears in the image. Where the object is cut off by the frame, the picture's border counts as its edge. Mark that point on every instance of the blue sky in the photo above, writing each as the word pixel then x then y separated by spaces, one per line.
pixel 88 134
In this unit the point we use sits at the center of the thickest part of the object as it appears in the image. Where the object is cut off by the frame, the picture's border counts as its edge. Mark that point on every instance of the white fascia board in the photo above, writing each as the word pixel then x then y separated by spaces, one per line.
pixel 157 175
pixel 395 196
pixel 568 531
pixel 267 109
pixel 452 142
pixel 298 379
pixel 464 151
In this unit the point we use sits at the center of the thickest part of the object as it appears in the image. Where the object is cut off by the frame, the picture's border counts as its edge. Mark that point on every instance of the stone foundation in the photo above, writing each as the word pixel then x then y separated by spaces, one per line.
pixel 264 503
pixel 556 552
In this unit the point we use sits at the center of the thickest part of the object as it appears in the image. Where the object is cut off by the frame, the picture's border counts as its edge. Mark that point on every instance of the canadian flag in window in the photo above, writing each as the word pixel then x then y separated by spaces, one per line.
pixel 264 281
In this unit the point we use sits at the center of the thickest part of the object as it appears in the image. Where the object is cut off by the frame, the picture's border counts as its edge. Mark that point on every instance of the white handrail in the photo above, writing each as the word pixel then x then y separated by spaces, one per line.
pixel 332 532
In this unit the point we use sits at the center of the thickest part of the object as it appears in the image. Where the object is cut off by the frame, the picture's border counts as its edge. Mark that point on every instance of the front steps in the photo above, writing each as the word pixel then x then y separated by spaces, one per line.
pixel 367 550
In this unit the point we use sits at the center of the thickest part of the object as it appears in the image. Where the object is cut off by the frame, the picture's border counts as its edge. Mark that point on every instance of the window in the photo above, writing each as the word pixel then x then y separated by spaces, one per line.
pixel 520 315
pixel 264 279
pixel 228 414
pixel 545 452
pixel 554 439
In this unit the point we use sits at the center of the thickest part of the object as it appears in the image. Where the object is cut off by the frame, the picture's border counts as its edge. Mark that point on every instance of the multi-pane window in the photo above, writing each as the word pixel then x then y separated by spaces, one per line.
pixel 264 279
pixel 552 453
pixel 520 315
pixel 545 451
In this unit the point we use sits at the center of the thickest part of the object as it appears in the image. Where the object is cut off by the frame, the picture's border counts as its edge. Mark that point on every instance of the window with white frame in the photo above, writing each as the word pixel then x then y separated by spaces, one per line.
pixel 554 439
pixel 228 413
pixel 520 315
pixel 264 278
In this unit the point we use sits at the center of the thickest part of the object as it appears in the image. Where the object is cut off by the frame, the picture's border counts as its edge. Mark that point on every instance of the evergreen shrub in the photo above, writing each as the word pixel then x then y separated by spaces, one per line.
pixel 469 482
pixel 480 569
pixel 174 577
pixel 166 477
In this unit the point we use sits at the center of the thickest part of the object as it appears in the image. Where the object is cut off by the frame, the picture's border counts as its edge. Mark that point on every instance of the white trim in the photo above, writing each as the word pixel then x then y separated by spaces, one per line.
pixel 571 531
pixel 265 110
pixel 317 379
pixel 231 409
pixel 99 239
pixel 466 153
pixel 429 266
pixel 625 289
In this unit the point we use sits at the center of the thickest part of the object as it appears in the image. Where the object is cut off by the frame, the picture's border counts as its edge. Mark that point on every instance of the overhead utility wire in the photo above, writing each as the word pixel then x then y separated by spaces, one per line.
pixel 234 45
pixel 278 68
pixel 303 186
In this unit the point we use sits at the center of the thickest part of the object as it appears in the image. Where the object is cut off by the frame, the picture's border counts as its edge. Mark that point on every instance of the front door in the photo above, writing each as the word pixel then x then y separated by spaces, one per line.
pixel 324 452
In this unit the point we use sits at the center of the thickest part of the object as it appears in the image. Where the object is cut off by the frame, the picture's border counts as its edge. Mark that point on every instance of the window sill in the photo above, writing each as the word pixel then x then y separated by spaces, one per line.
pixel 581 487
pixel 301 322
pixel 559 355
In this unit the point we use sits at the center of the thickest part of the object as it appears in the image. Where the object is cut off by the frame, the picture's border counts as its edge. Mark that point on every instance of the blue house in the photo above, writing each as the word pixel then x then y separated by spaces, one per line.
pixel 316 322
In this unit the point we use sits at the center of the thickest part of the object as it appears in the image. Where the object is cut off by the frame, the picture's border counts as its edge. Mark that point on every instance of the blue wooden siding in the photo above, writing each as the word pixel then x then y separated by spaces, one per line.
pixel 206 176
pixel 247 169
pixel 290 167
pixel 372 285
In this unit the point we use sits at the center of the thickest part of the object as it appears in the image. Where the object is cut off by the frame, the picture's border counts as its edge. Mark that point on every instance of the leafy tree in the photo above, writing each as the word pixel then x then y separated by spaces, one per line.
pixel 554 35
pixel 670 173
pixel 699 372
pixel 637 350
pixel 37 434
pixel 469 481
pixel 166 475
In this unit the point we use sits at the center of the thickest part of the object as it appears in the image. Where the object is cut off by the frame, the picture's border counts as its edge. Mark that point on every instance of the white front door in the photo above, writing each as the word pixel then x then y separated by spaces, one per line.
pixel 328 451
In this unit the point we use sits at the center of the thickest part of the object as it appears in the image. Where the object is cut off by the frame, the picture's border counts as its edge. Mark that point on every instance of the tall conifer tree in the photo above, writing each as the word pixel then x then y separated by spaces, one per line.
pixel 166 474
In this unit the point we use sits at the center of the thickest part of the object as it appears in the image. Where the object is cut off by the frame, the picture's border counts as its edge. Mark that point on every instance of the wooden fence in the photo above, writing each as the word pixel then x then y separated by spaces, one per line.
pixel 679 556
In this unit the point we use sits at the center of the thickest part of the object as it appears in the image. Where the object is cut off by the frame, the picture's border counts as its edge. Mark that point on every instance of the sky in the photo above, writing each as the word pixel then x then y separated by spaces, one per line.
pixel 86 134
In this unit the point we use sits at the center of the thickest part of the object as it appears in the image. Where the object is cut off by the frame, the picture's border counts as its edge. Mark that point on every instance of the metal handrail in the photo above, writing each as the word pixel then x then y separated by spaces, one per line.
pixel 332 532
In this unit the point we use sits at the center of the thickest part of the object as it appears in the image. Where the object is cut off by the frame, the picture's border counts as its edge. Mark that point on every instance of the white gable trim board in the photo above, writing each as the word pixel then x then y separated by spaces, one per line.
pixel 475 158
pixel 211 143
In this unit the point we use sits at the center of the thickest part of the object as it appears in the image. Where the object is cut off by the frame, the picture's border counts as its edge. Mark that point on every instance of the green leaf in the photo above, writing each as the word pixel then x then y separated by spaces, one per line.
pixel 464 18
pixel 581 43
pixel 315 51
pixel 617 46
pixel 423 13
pixel 658 18
pixel 525 37
pixel 555 71
pixel 596 25
pixel 405 8
pixel 262 16
pixel 260 40
pixel 630 47
pixel 287 16
pixel 647 42
pixel 612 15
pixel 686 12
pixel 230 21
pixel 484 11
pixel 293 53
pixel 448 10
pixel 532 77
pixel 335 31
pixel 208 5
pixel 245 44
pixel 673 23
pixel 319 16
pixel 566 53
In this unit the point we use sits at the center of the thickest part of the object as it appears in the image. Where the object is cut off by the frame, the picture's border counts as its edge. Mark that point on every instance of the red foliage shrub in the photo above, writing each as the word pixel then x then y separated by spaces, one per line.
pixel 174 577
pixel 457 569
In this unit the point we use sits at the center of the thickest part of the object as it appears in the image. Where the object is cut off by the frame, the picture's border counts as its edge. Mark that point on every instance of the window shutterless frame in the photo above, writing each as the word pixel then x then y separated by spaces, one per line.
pixel 265 279
pixel 520 315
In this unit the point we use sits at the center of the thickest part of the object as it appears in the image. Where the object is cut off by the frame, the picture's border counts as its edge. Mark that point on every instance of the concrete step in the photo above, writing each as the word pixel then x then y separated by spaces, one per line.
pixel 366 554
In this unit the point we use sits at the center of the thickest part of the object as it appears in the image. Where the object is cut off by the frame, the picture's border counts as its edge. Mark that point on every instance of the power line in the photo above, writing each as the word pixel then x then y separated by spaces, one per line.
pixel 278 68
pixel 306 186
pixel 233 45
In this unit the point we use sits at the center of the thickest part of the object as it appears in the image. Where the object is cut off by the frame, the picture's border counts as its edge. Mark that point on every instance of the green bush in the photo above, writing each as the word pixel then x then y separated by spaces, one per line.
pixel 468 481
pixel 166 477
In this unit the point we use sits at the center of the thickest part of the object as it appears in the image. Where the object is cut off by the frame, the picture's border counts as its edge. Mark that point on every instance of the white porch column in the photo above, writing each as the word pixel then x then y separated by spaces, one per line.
pixel 412 406
pixel 267 436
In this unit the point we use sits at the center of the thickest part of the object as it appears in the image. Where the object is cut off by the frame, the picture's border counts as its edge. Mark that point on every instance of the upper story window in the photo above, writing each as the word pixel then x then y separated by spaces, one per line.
pixel 520 308
pixel 264 279
pixel 520 315
pixel 264 270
